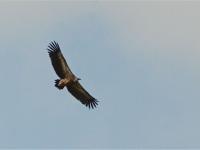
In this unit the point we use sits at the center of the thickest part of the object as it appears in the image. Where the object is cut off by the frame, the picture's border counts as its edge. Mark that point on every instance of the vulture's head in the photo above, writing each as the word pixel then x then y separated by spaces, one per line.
pixel 76 79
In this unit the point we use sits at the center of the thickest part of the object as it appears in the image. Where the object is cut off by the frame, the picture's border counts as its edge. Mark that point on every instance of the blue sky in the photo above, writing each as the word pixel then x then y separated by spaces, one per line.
pixel 141 60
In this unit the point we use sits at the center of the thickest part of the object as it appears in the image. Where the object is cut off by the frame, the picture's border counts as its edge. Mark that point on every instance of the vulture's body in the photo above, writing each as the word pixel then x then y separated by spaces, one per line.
pixel 67 78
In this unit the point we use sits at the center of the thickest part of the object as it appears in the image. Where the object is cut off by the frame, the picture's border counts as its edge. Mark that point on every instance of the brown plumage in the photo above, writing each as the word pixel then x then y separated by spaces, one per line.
pixel 67 78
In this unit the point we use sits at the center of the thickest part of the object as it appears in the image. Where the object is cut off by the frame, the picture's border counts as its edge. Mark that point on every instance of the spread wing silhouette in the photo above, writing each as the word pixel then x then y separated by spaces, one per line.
pixel 58 61
pixel 63 71
pixel 82 95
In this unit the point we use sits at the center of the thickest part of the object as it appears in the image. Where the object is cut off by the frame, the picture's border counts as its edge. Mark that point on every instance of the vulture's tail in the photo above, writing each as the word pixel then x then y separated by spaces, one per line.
pixel 56 84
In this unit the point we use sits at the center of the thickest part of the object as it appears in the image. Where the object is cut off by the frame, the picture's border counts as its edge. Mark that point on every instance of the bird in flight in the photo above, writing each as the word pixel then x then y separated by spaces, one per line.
pixel 67 78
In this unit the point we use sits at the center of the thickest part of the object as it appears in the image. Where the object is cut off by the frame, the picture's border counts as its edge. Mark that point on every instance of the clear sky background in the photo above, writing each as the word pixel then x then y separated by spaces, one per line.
pixel 141 60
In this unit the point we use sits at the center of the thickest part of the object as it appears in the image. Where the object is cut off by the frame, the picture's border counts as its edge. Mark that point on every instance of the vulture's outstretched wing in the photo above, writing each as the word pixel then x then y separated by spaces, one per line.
pixel 82 95
pixel 58 61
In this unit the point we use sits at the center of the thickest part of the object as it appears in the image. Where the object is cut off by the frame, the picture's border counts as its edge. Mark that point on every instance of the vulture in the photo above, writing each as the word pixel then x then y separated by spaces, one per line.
pixel 67 78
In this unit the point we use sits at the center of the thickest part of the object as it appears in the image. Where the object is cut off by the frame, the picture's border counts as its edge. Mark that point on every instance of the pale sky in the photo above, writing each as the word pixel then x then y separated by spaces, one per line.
pixel 140 59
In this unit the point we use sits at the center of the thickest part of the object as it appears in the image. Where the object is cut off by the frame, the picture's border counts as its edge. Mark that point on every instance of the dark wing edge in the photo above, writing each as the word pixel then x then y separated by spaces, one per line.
pixel 58 61
pixel 82 95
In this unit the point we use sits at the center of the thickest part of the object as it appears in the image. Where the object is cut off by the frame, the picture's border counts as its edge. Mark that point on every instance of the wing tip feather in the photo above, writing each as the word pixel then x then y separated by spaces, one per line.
pixel 92 104
pixel 53 47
